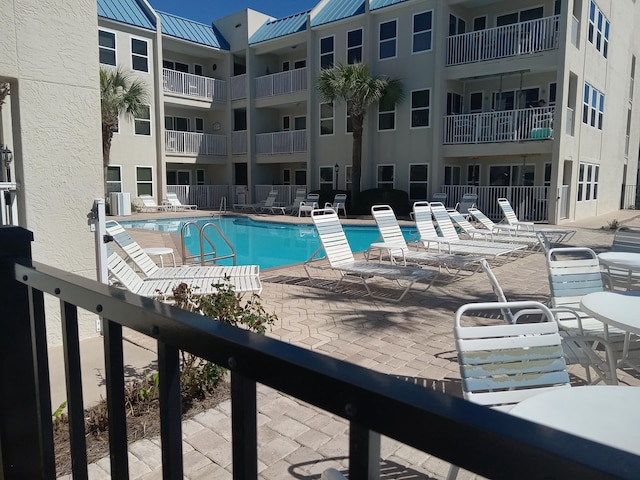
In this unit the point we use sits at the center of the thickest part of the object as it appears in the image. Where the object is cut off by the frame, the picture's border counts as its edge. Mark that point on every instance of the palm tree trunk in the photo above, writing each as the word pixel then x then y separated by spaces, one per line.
pixel 356 157
pixel 107 136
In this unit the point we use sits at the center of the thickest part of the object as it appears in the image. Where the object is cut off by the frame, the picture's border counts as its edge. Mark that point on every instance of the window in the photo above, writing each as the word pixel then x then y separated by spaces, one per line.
pixel 388 38
pixel 386 117
pixel 349 119
pixel 142 122
pixel 299 64
pixel 454 103
pixel 199 125
pixel 114 179
pixel 418 181
pixel 172 177
pixel 144 180
pixel 326 176
pixel 511 175
pixel 197 69
pixel 473 175
pixel 348 177
pixel 514 99
pixel 300 123
pixel 451 175
pixel 326 119
pixel 354 46
pixel 385 176
pixel 177 66
pixel 552 93
pixel 475 102
pixel 420 108
pixel 286 123
pixel 286 66
pixel 479 23
pixel 326 52
pixel 598 32
pixel 456 25
pixel 286 176
pixel 422 30
pixel 179 124
pixel 139 55
pixel 200 177
pixel 592 107
pixel 107 45
pixel 588 182
pixel 547 174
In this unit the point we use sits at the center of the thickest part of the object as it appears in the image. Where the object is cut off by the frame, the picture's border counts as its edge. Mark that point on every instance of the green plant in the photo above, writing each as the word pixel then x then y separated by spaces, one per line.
pixel 613 224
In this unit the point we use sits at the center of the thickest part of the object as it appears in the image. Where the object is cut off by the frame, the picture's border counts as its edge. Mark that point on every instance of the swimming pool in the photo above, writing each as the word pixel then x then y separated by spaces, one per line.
pixel 268 244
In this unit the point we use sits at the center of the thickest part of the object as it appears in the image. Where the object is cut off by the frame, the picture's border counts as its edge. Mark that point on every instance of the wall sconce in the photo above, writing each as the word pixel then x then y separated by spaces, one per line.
pixel 336 169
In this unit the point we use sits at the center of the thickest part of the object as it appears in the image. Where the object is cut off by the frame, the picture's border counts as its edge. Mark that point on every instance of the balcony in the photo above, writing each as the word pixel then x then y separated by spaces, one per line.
pixel 281 83
pixel 189 143
pixel 281 142
pixel 239 87
pixel 239 142
pixel 505 126
pixel 507 41
pixel 196 86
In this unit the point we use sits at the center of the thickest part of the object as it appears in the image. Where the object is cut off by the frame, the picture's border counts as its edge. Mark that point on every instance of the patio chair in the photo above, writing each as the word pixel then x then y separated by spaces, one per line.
pixel 502 365
pixel 341 260
pixel 244 274
pixel 339 203
pixel 149 205
pixel 397 249
pixel 477 247
pixel 491 232
pixel 300 196
pixel 162 288
pixel 626 239
pixel 439 197
pixel 468 201
pixel 267 202
pixel 309 204
pixel 176 204
pixel 559 234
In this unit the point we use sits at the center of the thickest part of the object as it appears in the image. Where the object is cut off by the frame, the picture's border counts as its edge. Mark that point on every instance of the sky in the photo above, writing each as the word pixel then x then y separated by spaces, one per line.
pixel 205 11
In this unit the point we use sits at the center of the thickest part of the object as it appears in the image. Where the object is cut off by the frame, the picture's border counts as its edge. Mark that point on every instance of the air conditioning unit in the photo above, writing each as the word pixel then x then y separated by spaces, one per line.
pixel 120 203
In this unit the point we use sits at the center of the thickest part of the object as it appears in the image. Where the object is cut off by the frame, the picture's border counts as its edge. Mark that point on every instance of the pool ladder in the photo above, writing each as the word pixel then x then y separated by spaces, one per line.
pixel 201 257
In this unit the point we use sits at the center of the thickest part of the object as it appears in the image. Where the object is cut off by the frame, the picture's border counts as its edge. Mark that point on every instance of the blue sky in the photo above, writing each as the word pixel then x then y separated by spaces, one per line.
pixel 207 10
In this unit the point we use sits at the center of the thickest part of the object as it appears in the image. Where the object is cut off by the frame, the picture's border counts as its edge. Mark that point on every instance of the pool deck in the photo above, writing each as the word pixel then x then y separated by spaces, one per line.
pixel 412 340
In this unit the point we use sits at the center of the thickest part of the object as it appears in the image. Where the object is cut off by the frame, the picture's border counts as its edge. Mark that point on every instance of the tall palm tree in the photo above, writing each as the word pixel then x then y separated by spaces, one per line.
pixel 354 85
pixel 119 94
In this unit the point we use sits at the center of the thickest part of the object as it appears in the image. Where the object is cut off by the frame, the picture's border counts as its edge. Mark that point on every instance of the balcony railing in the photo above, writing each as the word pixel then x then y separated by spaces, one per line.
pixel 189 143
pixel 239 142
pixel 575 31
pixel 568 128
pixel 8 203
pixel 281 142
pixel 239 87
pixel 503 126
pixel 205 196
pixel 482 440
pixel 281 83
pixel 506 41
pixel 194 85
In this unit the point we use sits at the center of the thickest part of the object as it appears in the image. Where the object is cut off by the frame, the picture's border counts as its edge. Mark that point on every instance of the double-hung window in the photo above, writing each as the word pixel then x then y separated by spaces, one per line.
pixel 326 119
pixel 388 39
pixel 107 45
pixel 326 52
pixel 326 176
pixel 354 46
pixel 386 176
pixel 386 117
pixel 114 178
pixel 142 121
pixel 420 106
pixel 598 30
pixel 588 181
pixel 139 55
pixel 422 31
pixel 593 107
pixel 418 181
pixel 144 180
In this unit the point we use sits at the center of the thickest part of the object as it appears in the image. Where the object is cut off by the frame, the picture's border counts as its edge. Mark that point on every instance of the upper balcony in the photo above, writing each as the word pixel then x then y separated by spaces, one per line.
pixel 239 87
pixel 283 83
pixel 503 126
pixel 194 86
pixel 281 142
pixel 522 38
pixel 190 143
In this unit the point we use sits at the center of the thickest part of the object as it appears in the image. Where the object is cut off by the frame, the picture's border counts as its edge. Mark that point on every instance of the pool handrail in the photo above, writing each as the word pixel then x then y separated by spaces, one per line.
pixel 205 258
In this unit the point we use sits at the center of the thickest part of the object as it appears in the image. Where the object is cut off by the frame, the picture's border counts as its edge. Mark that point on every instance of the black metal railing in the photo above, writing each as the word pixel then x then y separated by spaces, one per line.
pixel 476 438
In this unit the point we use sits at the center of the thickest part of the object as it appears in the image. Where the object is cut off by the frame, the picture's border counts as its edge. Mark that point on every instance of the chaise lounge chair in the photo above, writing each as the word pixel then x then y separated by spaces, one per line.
pixel 301 193
pixel 176 204
pixel 558 235
pixel 149 205
pixel 397 250
pixel 340 259
pixel 247 276
pixel 490 235
pixel 255 207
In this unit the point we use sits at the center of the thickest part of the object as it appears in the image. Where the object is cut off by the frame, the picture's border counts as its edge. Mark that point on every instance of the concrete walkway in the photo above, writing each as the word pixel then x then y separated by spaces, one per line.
pixel 412 340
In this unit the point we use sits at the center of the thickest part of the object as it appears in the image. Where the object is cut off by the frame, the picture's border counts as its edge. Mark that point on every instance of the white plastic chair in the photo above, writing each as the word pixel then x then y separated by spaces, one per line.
pixel 339 203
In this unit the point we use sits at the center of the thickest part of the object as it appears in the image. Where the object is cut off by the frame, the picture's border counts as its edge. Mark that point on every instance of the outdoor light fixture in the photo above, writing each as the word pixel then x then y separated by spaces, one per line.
pixel 7 157
pixel 336 168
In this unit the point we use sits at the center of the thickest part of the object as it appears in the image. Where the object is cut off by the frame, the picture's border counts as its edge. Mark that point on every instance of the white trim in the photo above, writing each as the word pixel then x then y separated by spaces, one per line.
pixel 332 118
pixel 144 182
pixel 131 54
pixel 144 120
pixel 121 182
pixel 417 182
pixel 411 109
pixel 378 181
pixel 413 32
pixel 361 46
pixel 115 46
pixel 395 39
pixel 320 54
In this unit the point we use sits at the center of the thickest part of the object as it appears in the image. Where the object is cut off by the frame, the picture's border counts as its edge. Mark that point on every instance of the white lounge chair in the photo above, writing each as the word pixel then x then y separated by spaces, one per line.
pixel 176 204
pixel 558 234
pixel 301 193
pixel 340 259
pixel 255 207
pixel 339 203
pixel 468 201
pixel 310 203
pixel 149 204
pixel 246 275
pixel 487 234
pixel 396 248
pixel 124 275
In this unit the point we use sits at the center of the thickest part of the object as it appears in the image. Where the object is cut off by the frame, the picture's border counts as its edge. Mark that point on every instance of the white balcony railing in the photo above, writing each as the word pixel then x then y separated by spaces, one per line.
pixel 189 143
pixel 239 142
pixel 194 85
pixel 504 126
pixel 281 83
pixel 239 87
pixel 506 41
pixel 568 129
pixel 281 142
pixel 8 203
pixel 575 31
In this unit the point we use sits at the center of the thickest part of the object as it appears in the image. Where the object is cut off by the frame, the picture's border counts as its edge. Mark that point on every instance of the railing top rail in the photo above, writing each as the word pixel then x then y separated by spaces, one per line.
pixel 445 426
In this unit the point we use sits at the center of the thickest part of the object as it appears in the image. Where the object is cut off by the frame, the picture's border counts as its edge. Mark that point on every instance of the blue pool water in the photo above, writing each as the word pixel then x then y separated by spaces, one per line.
pixel 268 244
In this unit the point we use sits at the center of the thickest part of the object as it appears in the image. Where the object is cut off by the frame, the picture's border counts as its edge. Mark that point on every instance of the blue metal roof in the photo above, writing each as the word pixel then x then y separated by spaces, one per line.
pixel 376 4
pixel 192 31
pixel 280 27
pixel 337 10
pixel 126 11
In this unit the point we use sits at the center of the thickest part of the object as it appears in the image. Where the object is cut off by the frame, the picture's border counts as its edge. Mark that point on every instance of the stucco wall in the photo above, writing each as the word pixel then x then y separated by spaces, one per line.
pixel 55 115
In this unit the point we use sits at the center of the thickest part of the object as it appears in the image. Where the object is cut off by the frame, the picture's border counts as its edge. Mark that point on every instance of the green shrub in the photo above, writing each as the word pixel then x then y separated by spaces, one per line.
pixel 397 199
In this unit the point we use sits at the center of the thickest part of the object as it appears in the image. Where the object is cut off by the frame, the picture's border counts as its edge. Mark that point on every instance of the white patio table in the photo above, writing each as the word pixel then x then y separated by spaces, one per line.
pixel 606 414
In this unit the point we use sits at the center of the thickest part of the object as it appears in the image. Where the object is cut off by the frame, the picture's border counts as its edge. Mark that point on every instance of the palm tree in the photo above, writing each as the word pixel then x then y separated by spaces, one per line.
pixel 119 94
pixel 354 85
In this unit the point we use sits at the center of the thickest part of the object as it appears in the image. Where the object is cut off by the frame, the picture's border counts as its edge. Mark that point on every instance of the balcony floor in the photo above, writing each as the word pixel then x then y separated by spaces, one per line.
pixel 402 340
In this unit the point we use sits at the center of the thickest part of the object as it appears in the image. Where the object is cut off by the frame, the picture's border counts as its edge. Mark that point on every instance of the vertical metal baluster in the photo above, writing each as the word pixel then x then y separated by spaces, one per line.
pixel 244 429
pixel 364 453
pixel 170 411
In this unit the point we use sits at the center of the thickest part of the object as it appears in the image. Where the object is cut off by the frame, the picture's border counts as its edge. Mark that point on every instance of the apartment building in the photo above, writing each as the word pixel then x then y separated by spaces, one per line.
pixel 528 100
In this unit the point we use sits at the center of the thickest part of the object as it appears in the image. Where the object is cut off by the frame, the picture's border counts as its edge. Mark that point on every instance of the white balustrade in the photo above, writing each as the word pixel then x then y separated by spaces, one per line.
pixel 194 85
pixel 239 87
pixel 239 142
pixel 205 196
pixel 189 143
pixel 281 142
pixel 281 83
